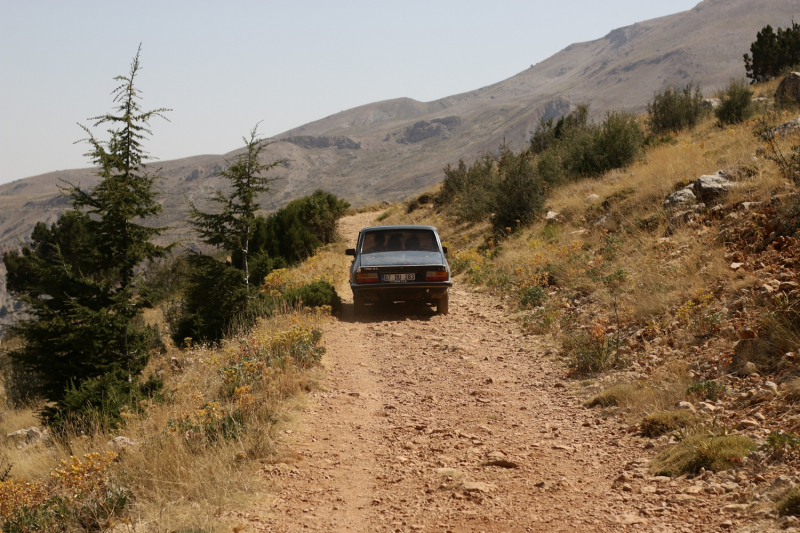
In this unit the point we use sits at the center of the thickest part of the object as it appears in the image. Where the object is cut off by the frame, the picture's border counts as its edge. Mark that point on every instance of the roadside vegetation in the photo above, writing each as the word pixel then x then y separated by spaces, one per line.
pixel 143 384
pixel 676 306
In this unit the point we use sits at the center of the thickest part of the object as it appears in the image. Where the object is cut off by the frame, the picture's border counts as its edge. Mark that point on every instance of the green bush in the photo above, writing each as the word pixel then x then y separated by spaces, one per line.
pixel 531 296
pixel 319 212
pixel 506 188
pixel 214 298
pixel 706 390
pixel 572 148
pixel 675 109
pixel 549 136
pixel 736 103
pixel 99 403
pixel 469 190
pixel 519 195
pixel 657 424
pixel 509 188
pixel 616 143
pixel 315 294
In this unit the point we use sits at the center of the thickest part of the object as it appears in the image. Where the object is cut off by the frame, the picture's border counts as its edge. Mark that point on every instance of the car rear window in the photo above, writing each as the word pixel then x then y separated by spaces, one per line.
pixel 409 240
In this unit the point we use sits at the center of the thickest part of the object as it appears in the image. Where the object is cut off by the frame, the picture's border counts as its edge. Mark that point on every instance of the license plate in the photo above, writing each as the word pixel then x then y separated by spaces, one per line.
pixel 398 278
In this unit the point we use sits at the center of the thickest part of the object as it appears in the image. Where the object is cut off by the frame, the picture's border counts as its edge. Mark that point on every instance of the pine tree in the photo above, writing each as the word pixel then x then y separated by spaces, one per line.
pixel 232 228
pixel 77 278
pixel 773 52
pixel 124 198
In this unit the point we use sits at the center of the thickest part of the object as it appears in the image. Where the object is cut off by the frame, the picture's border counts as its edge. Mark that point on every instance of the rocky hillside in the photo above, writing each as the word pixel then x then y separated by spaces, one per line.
pixel 389 150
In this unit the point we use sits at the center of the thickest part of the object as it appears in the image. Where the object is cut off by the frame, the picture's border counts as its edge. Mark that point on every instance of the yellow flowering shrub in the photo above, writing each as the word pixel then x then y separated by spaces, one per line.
pixel 80 492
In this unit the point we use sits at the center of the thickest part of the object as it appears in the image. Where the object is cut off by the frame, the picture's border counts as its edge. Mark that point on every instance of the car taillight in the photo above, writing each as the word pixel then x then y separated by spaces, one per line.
pixel 366 277
pixel 436 275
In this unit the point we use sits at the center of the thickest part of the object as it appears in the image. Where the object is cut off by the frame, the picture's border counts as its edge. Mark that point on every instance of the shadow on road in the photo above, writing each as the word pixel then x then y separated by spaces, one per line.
pixel 387 312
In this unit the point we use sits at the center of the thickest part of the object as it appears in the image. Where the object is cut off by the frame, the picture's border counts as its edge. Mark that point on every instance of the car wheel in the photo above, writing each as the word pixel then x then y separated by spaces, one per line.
pixel 443 307
pixel 359 304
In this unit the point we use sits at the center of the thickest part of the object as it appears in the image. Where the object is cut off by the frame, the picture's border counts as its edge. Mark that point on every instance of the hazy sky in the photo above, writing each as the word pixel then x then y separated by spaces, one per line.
pixel 224 66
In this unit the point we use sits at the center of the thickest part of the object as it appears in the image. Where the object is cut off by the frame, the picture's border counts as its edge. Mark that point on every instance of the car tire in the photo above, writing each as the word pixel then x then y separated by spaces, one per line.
pixel 359 305
pixel 443 306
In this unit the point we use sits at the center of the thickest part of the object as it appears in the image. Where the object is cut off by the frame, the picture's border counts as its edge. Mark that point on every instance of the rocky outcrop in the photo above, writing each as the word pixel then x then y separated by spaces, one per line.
pixel 704 189
pixel 425 129
pixel 448 122
pixel 683 197
pixel 788 92
pixel 787 128
pixel 309 141
pixel 29 436
pixel 196 173
pixel 710 187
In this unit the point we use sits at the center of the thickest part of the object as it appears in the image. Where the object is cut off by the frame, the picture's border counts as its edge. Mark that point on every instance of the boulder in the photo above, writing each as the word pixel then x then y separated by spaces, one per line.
pixel 552 216
pixel 121 442
pixel 787 128
pixel 684 196
pixel 711 103
pixel 788 92
pixel 28 436
pixel 711 186
pixel 590 199
pixel 748 369
pixel 680 218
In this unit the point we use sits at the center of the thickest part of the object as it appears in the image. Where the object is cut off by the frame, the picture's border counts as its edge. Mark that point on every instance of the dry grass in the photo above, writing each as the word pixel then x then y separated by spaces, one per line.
pixel 702 450
pixel 662 422
pixel 198 451
pixel 662 392
pixel 792 391
pixel 789 505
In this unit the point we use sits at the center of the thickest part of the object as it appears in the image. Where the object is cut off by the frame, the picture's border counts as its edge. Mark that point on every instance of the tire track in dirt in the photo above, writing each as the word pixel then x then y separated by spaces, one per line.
pixel 459 423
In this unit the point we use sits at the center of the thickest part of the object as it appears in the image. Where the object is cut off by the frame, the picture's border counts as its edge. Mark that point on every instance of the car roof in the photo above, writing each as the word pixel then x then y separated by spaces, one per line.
pixel 398 227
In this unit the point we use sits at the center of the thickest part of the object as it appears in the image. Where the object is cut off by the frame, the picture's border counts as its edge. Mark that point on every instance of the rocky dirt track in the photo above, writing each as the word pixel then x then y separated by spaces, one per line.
pixel 461 423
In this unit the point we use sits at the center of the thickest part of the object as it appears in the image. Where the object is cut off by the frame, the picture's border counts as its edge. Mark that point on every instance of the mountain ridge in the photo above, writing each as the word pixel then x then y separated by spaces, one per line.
pixel 390 149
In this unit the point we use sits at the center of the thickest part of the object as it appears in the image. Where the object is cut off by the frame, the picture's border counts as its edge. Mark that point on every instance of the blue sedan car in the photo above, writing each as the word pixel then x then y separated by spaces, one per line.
pixel 400 263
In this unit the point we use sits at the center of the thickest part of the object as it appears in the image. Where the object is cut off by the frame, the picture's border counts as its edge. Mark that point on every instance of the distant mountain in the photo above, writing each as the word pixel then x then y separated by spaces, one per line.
pixel 390 150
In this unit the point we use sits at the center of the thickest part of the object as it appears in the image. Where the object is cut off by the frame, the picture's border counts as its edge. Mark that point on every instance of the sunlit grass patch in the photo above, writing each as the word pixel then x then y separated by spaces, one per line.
pixel 663 422
pixel 706 450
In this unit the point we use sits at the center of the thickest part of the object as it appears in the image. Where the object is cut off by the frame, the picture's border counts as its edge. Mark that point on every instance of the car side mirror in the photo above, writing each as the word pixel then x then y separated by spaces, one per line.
pixel 350 251
pixel 444 249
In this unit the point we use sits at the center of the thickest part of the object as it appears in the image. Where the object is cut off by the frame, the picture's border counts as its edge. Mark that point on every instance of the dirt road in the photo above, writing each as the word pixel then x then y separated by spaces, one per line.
pixel 461 423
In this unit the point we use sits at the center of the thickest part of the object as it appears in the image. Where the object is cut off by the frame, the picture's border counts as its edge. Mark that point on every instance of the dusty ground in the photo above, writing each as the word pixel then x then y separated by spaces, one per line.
pixel 461 423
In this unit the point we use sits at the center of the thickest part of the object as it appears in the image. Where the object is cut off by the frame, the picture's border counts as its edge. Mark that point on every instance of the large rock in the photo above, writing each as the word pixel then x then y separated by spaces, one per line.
pixel 711 186
pixel 121 442
pixel 787 128
pixel 788 92
pixel 29 436
pixel 682 197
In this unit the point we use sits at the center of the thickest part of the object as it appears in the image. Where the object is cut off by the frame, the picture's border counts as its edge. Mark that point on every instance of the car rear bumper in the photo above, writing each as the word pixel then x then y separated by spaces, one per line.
pixel 401 291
